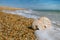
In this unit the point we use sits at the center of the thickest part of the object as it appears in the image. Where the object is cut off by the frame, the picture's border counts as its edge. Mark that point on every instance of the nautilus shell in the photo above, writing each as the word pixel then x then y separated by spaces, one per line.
pixel 46 30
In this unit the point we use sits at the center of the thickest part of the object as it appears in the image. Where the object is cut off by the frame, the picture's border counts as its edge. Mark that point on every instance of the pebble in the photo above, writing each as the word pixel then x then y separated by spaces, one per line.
pixel 15 27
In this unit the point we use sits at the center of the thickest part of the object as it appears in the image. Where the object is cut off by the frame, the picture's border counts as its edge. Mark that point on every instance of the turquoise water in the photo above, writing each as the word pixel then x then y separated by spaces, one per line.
pixel 54 15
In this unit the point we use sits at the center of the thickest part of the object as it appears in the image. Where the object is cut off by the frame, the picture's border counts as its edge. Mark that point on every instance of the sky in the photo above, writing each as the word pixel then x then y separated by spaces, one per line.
pixel 33 4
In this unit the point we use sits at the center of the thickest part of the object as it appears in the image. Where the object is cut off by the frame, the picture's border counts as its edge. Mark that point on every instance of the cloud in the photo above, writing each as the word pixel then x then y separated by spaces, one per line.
pixel 38 4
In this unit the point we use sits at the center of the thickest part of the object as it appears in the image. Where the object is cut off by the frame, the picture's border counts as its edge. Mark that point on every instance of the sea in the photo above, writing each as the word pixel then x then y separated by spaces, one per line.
pixel 53 15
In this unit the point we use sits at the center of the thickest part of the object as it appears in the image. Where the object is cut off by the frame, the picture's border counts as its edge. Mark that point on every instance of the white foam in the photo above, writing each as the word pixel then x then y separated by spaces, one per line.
pixel 22 12
pixel 49 34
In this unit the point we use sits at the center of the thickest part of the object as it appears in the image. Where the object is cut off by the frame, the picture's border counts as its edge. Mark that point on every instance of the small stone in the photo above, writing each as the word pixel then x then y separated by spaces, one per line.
pixel 15 27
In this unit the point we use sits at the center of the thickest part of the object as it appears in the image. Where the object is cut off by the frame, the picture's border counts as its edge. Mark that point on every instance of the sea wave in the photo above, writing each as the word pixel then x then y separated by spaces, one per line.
pixel 34 14
pixel 26 13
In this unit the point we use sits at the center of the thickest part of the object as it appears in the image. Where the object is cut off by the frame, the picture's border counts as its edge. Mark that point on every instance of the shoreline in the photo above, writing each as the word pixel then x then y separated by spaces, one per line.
pixel 10 8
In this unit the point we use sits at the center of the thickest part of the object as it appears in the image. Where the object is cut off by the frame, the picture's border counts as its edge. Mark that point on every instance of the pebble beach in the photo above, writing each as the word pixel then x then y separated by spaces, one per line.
pixel 15 27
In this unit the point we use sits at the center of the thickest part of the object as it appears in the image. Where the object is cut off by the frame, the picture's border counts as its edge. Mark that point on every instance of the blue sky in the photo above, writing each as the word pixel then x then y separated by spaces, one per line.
pixel 35 4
